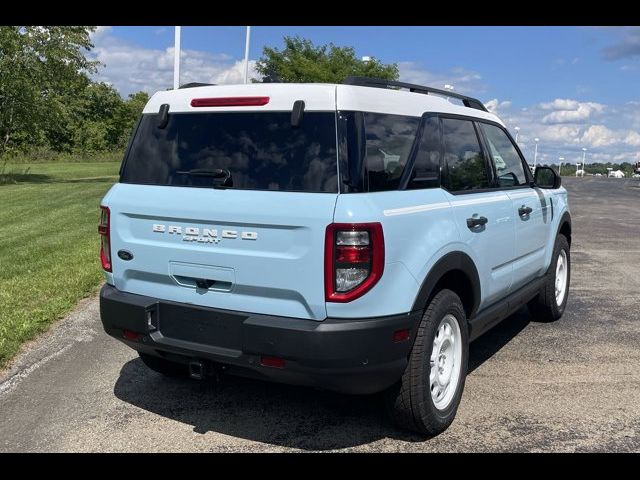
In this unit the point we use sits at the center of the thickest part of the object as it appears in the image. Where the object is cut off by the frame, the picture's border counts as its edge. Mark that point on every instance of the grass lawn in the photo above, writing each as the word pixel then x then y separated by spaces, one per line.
pixel 48 244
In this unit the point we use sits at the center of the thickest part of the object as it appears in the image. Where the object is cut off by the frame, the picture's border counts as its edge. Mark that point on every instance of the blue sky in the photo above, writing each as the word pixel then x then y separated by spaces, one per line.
pixel 569 86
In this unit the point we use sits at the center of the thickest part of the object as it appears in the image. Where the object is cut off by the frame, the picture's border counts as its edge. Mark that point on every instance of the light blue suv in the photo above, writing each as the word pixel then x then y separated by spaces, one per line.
pixel 352 237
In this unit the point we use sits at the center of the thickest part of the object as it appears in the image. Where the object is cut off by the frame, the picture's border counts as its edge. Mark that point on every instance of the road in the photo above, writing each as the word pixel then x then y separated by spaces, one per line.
pixel 573 385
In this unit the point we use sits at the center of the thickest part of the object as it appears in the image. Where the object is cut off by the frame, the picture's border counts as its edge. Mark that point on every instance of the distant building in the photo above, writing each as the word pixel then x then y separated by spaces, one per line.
pixel 616 174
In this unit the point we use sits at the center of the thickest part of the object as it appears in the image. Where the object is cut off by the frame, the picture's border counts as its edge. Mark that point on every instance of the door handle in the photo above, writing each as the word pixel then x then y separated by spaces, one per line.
pixel 474 222
pixel 522 211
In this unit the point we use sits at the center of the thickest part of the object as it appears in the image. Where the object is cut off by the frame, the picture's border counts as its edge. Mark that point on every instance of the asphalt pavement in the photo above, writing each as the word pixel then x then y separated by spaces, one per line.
pixel 572 385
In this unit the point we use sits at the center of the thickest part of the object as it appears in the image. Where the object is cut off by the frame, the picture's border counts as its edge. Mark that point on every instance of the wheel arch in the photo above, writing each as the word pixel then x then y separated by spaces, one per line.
pixel 455 271
pixel 564 226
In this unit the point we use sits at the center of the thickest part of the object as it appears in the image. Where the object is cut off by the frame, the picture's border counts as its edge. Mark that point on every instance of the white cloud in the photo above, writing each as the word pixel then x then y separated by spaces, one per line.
pixel 131 67
pixel 633 139
pixel 614 138
pixel 569 111
pixel 560 104
pixel 495 106
pixel 464 81
pixel 628 45
pixel 563 134
pixel 100 32
pixel 599 136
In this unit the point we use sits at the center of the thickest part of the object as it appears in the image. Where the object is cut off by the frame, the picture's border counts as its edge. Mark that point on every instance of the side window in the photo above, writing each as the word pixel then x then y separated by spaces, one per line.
pixel 388 144
pixel 464 165
pixel 426 166
pixel 505 157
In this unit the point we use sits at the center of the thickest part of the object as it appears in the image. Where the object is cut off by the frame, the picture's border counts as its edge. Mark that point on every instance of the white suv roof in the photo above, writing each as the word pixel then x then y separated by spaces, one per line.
pixel 317 97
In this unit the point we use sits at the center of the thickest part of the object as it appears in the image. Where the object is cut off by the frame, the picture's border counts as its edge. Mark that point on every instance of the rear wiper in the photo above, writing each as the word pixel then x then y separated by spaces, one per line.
pixel 214 173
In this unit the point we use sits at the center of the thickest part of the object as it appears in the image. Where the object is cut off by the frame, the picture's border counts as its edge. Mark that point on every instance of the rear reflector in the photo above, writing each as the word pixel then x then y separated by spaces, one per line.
pixel 230 102
pixel 353 254
pixel 129 335
pixel 274 362
pixel 401 335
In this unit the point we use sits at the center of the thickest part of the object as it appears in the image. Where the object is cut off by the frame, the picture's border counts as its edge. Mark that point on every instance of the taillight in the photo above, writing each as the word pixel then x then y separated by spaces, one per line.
pixel 105 238
pixel 353 260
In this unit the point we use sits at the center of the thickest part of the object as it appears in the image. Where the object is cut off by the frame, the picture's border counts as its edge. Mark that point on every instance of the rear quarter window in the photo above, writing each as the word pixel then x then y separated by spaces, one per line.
pixel 389 141
pixel 378 147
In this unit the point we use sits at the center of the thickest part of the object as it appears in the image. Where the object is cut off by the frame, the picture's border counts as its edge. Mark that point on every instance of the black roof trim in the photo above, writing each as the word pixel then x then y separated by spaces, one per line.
pixel 196 84
pixel 380 83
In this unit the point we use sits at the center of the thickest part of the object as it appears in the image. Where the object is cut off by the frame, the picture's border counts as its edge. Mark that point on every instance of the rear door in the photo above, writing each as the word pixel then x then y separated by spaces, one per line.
pixel 227 210
pixel 483 215
pixel 529 205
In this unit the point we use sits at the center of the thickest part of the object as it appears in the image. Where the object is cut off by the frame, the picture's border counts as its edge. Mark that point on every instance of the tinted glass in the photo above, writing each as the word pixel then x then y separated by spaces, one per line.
pixel 261 151
pixel 464 164
pixel 505 157
pixel 388 144
pixel 426 166
pixel 545 177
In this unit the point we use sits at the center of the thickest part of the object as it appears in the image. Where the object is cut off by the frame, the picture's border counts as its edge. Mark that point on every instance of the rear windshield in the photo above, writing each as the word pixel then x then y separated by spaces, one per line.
pixel 240 150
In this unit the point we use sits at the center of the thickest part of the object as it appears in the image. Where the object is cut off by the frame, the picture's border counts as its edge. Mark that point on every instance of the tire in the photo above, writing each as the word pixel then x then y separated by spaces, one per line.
pixel 546 307
pixel 164 366
pixel 410 403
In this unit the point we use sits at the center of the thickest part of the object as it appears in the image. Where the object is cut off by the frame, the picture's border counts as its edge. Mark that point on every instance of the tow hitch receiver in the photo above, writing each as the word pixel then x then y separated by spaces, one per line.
pixel 197 370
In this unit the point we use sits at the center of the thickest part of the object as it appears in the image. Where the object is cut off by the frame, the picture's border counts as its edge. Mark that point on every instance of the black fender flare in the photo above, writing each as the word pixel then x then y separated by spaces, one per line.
pixel 564 219
pixel 451 261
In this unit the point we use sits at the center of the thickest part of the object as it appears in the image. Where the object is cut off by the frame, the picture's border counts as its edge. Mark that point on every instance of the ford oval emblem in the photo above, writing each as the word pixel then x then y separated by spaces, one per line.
pixel 125 255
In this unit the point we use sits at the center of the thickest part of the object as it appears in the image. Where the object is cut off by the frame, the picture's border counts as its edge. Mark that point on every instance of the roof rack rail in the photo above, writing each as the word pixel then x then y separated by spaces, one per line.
pixel 196 84
pixel 380 83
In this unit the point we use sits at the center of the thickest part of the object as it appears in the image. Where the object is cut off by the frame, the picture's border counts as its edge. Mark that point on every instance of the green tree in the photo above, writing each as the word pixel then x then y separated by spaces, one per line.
pixel 102 120
pixel 40 69
pixel 130 112
pixel 301 61
pixel 95 122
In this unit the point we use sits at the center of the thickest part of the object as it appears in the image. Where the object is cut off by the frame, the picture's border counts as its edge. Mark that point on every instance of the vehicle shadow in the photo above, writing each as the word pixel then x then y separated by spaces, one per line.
pixel 487 345
pixel 13 178
pixel 103 179
pixel 24 178
pixel 282 415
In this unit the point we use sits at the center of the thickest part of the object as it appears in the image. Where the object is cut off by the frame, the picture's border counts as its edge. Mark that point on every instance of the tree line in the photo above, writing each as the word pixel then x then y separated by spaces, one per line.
pixel 569 169
pixel 48 100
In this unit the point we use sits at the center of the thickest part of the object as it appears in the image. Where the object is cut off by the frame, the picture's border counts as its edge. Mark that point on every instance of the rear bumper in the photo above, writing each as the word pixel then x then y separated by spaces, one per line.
pixel 355 356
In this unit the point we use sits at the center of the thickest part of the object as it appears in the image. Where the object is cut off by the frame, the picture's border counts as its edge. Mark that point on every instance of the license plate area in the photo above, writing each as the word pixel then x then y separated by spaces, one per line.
pixel 204 326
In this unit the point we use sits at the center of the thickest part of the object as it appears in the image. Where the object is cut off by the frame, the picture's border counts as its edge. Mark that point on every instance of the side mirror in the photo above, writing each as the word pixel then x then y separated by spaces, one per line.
pixel 546 177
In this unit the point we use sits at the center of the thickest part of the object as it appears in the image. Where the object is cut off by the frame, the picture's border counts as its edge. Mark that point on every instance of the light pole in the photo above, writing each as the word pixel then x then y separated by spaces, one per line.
pixel 448 87
pixel 246 55
pixel 584 153
pixel 176 59
pixel 535 155
pixel 517 129
pixel 560 169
